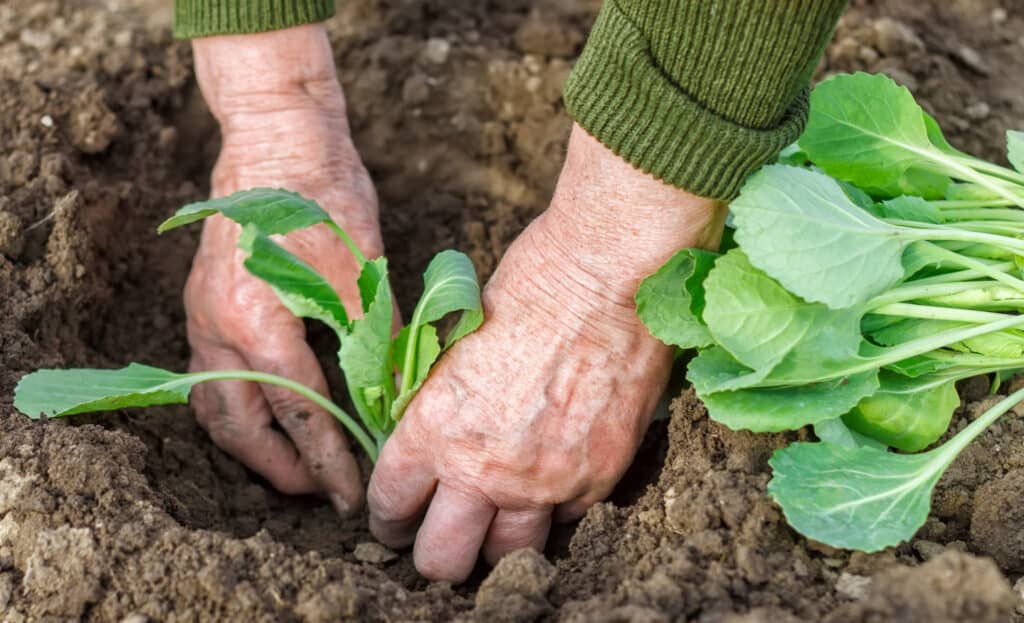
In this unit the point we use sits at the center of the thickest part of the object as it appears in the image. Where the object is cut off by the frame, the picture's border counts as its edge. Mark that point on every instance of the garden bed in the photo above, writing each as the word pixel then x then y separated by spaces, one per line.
pixel 456 109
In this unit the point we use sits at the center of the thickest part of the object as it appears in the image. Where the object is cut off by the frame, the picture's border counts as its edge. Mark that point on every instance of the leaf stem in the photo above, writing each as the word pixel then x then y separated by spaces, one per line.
pixel 357 431
pixel 999 172
pixel 949 450
pixel 348 241
pixel 929 312
pixel 988 270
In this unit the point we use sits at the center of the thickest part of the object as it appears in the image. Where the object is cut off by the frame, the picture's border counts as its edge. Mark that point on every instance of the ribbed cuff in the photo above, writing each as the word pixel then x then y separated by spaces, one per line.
pixel 623 91
pixel 203 18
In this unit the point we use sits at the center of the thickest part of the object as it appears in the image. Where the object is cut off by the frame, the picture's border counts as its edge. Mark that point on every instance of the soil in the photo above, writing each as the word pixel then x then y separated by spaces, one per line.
pixel 456 110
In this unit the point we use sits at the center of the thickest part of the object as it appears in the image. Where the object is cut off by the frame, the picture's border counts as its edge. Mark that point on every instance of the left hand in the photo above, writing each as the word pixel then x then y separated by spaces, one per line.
pixel 538 414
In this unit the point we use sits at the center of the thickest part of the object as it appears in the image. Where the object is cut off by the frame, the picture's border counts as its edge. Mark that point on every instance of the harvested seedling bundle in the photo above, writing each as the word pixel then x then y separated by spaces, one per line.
pixel 870 269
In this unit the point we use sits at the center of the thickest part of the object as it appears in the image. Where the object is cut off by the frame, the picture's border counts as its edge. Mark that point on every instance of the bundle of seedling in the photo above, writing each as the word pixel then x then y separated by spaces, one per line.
pixel 369 355
pixel 868 271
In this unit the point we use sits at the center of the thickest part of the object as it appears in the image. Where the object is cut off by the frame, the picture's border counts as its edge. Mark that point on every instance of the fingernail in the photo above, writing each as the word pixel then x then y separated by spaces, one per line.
pixel 340 505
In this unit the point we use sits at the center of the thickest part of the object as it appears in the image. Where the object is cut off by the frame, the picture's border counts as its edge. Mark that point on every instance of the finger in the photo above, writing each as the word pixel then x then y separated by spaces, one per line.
pixel 452 533
pixel 400 489
pixel 236 417
pixel 512 530
pixel 319 438
pixel 574 509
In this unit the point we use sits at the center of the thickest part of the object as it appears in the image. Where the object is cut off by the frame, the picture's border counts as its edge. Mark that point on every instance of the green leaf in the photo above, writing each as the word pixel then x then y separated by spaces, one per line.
pixel 299 287
pixel 906 413
pixel 1015 149
pixel 936 137
pixel 429 349
pixel 365 355
pixel 753 317
pixel 670 302
pixel 834 431
pixel 856 498
pixel 761 409
pixel 715 370
pixel 908 208
pixel 57 393
pixel 802 229
pixel 273 211
pixel 449 285
pixel 865 498
pixel 867 130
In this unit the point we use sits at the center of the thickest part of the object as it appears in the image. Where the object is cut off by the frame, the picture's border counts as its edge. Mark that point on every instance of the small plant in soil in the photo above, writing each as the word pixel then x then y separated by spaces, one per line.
pixel 866 273
pixel 369 354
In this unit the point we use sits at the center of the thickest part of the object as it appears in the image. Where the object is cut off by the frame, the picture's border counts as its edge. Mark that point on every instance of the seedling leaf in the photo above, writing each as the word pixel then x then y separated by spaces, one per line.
pixel 869 131
pixel 671 301
pixel 865 498
pixel 753 317
pixel 366 356
pixel 56 393
pixel 272 210
pixel 802 229
pixel 906 413
pixel 299 287
pixel 763 410
pixel 858 498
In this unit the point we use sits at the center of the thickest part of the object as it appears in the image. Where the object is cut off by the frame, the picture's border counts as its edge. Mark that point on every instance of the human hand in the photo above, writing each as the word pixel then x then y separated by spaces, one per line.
pixel 538 414
pixel 283 124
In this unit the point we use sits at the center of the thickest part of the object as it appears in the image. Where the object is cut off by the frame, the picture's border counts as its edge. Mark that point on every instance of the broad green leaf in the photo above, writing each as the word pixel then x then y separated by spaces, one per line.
pixel 273 211
pixel 753 317
pixel 864 498
pixel 834 431
pixel 801 228
pixel 1015 149
pixel 429 347
pixel 365 355
pixel 867 130
pixel 670 301
pixel 449 285
pixel 908 208
pixel 762 409
pixel 715 370
pixel 906 413
pixel 855 498
pixel 57 393
pixel 299 287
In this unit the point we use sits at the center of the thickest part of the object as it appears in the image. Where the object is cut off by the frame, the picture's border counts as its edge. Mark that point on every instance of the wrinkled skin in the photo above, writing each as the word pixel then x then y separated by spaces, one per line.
pixel 531 419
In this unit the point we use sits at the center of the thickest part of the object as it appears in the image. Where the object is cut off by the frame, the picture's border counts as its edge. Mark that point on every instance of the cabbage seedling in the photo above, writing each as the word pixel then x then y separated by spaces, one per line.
pixel 368 356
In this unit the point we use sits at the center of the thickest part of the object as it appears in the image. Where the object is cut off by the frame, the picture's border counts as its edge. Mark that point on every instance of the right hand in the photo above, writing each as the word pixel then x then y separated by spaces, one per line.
pixel 283 123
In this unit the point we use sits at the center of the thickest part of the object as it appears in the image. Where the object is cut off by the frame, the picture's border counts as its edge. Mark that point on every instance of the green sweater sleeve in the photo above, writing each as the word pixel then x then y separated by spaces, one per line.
pixel 700 93
pixel 202 18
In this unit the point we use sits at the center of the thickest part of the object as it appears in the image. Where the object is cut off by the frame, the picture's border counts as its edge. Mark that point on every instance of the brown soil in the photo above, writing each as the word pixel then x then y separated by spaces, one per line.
pixel 456 110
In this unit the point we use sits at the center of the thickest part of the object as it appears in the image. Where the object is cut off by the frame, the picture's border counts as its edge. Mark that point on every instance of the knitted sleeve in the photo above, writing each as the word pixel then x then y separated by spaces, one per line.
pixel 700 93
pixel 202 18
